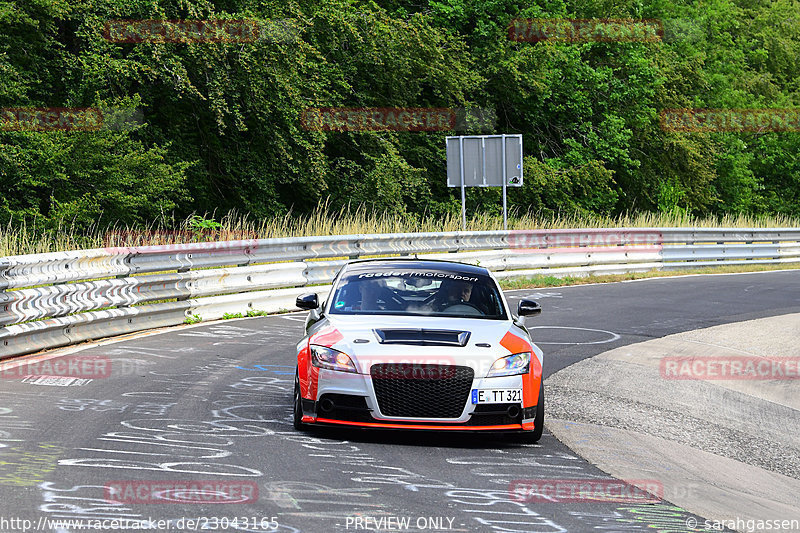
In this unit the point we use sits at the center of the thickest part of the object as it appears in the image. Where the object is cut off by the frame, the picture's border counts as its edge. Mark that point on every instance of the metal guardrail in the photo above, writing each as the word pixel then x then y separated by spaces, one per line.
pixel 56 299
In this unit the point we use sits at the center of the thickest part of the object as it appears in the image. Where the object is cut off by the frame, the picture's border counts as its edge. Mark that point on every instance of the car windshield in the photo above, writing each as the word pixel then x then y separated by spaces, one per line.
pixel 418 292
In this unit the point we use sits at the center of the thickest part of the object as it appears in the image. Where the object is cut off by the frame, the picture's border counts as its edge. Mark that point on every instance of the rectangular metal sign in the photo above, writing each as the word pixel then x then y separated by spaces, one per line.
pixel 483 160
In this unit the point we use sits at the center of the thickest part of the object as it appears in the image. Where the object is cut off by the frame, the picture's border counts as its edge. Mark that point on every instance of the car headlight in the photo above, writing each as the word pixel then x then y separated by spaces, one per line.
pixel 511 365
pixel 324 357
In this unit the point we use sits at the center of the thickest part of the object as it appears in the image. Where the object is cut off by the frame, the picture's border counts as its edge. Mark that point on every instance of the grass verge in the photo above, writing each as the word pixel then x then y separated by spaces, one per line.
pixel 17 238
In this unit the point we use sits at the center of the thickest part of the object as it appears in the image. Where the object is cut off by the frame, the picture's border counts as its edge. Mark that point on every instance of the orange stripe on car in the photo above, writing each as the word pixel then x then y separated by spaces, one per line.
pixel 304 371
pixel 308 373
pixel 531 380
pixel 531 383
pixel 420 426
pixel 515 343
pixel 327 336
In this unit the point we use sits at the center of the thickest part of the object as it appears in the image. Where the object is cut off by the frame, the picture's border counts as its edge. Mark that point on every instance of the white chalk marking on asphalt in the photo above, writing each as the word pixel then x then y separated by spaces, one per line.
pixel 539 295
pixel 295 318
pixel 55 381
pixel 613 335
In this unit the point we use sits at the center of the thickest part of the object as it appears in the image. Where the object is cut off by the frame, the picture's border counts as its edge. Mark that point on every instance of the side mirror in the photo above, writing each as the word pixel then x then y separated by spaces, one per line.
pixel 307 301
pixel 528 308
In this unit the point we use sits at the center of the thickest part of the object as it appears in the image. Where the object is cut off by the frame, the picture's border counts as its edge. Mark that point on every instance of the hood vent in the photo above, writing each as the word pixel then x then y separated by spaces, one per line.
pixel 423 337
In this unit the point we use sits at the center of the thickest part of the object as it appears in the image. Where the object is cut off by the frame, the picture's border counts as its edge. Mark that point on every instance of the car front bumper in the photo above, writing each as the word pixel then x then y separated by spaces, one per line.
pixel 350 399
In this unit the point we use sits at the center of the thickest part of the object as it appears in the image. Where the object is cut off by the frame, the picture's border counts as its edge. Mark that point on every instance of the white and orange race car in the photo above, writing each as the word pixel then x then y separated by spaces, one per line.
pixel 418 344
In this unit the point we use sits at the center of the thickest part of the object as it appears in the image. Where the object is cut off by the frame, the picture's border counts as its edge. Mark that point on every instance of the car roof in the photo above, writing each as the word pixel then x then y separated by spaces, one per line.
pixel 366 265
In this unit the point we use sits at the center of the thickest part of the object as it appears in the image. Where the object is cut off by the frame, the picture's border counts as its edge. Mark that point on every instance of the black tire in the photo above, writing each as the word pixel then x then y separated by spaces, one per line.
pixel 298 406
pixel 532 437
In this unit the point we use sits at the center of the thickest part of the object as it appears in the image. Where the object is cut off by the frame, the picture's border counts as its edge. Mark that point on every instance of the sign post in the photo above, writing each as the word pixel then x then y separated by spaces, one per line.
pixel 505 186
pixel 463 189
pixel 484 161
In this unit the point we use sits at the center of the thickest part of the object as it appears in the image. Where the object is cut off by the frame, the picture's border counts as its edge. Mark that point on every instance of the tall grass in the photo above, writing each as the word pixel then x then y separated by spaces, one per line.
pixel 16 239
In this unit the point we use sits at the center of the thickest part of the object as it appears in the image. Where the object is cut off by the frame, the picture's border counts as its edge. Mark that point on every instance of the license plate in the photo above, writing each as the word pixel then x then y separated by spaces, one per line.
pixel 496 395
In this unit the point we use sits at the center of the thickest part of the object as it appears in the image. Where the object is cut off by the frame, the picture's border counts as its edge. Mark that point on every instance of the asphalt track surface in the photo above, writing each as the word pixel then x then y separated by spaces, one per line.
pixel 213 402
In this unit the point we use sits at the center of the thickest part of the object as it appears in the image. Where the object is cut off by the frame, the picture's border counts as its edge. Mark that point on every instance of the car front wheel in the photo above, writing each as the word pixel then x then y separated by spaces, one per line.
pixel 298 405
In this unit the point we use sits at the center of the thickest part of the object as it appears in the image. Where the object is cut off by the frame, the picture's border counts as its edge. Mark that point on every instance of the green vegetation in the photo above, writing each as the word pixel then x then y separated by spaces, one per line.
pixel 193 319
pixel 221 122
pixel 541 281
pixel 251 313
pixel 257 312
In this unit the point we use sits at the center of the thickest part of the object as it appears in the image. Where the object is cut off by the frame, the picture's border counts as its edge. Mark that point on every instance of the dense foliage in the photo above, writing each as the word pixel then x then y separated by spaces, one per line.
pixel 221 124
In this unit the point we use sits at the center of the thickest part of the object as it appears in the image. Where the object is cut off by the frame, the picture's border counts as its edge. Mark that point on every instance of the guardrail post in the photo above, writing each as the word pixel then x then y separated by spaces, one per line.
pixel 357 244
pixel 458 247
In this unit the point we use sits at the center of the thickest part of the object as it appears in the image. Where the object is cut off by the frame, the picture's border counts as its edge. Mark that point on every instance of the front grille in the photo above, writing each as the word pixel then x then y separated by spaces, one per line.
pixel 421 391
